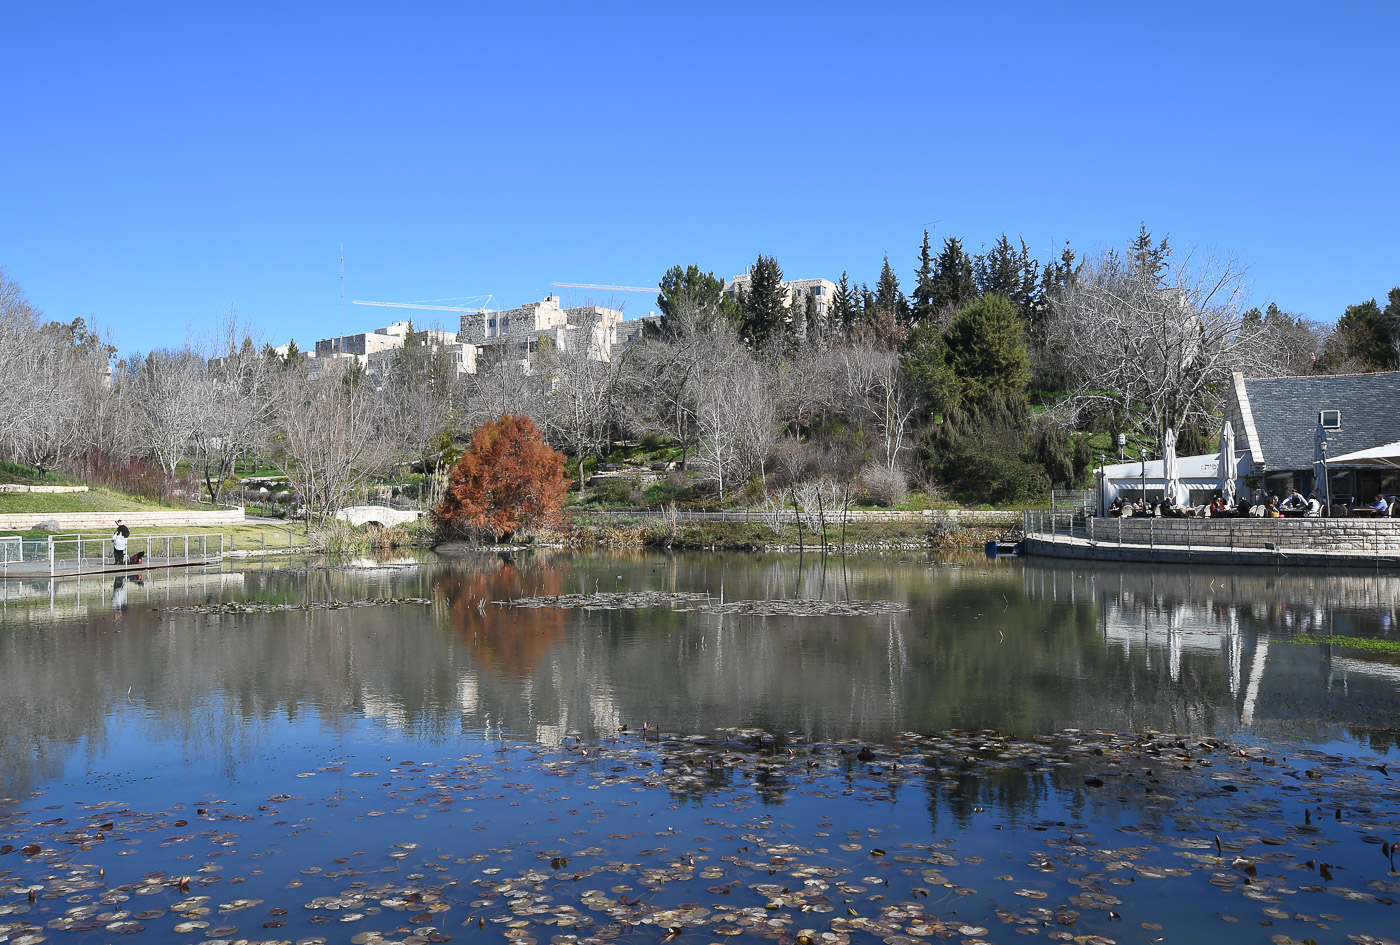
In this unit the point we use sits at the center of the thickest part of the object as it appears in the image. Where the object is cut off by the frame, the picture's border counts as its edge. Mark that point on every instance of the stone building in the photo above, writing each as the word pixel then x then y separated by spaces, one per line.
pixel 365 343
pixel 1276 421
pixel 375 350
pixel 797 291
pixel 520 330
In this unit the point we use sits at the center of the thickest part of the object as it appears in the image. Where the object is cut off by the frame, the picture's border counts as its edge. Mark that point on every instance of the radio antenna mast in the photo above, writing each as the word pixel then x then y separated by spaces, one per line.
pixel 341 341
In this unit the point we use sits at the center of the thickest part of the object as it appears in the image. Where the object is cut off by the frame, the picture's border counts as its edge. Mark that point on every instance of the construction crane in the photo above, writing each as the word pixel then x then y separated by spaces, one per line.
pixel 604 288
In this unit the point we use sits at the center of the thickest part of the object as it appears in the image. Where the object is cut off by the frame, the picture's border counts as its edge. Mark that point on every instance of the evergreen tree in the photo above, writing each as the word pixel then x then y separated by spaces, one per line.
pixel 1010 273
pixel 1057 276
pixel 1148 261
pixel 889 298
pixel 926 364
pixel 702 292
pixel 814 327
pixel 953 282
pixel 1370 334
pixel 842 314
pixel 923 308
pixel 763 304
pixel 867 304
pixel 987 349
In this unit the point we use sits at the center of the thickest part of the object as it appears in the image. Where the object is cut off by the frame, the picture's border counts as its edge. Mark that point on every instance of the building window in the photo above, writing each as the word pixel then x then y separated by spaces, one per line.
pixel 1330 419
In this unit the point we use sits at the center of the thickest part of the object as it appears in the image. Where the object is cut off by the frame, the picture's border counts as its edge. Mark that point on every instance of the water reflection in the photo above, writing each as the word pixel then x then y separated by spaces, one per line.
pixel 1021 648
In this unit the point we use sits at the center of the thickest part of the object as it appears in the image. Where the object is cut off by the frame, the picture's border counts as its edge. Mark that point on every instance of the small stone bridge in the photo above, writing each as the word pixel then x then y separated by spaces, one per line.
pixel 380 515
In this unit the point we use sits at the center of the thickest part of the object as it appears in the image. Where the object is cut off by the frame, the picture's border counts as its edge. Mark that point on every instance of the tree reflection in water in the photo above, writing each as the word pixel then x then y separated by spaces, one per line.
pixel 503 639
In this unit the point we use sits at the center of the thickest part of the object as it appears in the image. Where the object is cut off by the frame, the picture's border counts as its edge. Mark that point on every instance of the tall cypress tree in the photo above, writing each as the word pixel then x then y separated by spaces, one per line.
pixel 923 308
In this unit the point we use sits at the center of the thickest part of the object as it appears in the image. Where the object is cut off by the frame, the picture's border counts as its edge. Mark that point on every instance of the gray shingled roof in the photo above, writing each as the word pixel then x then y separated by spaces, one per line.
pixel 1285 414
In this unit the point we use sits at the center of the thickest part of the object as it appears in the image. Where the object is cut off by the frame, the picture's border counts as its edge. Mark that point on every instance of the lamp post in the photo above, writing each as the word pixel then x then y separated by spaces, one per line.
pixel 1122 441
pixel 1143 453
pixel 1103 486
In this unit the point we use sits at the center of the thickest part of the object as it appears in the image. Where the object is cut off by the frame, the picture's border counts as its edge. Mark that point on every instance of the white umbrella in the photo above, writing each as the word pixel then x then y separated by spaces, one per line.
pixel 1228 462
pixel 1172 484
pixel 1320 485
pixel 1387 456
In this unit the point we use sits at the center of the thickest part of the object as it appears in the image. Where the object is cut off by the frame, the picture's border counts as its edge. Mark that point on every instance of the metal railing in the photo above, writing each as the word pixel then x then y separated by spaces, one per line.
pixel 60 554
pixel 1069 523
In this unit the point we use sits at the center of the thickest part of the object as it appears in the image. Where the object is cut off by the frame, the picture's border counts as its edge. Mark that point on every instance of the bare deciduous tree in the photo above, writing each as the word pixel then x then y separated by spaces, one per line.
pixel 160 393
pixel 1163 348
pixel 579 411
pixel 332 438
pixel 236 396
pixel 734 411
pixel 876 387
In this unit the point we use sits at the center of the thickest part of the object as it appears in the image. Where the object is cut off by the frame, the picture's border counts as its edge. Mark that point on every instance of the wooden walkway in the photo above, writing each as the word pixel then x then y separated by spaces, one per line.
pixel 35 570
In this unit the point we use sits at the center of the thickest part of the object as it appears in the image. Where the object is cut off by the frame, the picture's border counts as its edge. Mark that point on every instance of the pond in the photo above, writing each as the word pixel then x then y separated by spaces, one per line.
pixel 685 748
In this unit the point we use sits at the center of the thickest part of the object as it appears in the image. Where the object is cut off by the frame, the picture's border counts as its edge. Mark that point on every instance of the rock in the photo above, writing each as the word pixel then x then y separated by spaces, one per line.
pixel 48 525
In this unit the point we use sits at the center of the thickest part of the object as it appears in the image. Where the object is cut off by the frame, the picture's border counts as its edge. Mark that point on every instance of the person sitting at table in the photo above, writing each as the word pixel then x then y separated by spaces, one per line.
pixel 1314 509
pixel 1271 508
pixel 1294 503
pixel 1217 506
pixel 1380 506
pixel 1119 504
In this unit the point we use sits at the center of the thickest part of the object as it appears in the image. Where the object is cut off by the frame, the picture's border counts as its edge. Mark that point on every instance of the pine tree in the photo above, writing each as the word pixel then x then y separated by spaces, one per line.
pixel 702 292
pixel 843 307
pixel 1058 274
pixel 1149 261
pixel 953 282
pixel 764 304
pixel 867 303
pixel 923 308
pixel 987 349
pixel 1010 273
pixel 889 297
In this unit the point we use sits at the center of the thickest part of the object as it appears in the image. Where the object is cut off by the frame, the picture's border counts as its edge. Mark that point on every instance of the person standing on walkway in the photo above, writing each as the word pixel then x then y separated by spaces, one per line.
pixel 119 538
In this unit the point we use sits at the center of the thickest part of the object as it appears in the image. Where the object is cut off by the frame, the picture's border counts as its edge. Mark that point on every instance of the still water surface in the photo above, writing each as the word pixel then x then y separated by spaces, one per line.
pixel 112 700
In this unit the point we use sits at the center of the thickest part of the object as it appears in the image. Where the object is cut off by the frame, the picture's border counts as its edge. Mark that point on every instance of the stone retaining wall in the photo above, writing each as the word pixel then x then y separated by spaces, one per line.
pixel 1285 534
pixel 85 521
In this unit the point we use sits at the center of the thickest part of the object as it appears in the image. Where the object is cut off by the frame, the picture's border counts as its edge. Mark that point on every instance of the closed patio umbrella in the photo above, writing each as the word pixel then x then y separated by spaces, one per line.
pixel 1171 485
pixel 1320 485
pixel 1228 464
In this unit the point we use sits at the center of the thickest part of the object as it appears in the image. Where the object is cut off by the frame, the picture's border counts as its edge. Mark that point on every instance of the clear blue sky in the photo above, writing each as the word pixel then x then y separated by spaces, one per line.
pixel 165 161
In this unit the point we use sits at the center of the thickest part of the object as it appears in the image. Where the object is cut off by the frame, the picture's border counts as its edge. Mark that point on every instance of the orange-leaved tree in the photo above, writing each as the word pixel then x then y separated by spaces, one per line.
pixel 508 477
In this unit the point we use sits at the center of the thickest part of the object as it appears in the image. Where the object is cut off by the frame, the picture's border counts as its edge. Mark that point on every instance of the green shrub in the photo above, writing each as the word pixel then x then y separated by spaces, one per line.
pixel 610 492
pixel 988 451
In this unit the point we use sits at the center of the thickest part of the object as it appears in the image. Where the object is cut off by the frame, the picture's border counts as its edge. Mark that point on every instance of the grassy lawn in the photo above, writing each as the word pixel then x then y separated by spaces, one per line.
pixel 241 536
pixel 94 500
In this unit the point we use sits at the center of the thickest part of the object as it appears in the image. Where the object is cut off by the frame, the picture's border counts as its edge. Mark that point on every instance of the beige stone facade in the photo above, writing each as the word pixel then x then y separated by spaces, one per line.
pixel 523 328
